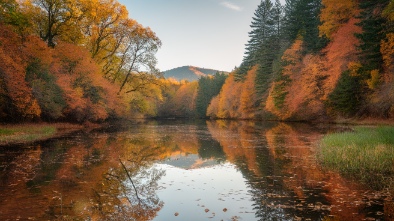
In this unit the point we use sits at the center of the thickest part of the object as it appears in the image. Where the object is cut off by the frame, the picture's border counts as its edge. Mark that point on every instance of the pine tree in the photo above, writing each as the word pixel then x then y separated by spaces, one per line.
pixel 262 30
pixel 292 21
pixel 302 19
pixel 278 17
pixel 373 33
pixel 310 10
pixel 208 87
pixel 264 43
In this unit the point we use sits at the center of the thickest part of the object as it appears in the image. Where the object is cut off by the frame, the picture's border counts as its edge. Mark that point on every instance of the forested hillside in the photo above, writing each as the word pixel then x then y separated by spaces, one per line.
pixel 314 60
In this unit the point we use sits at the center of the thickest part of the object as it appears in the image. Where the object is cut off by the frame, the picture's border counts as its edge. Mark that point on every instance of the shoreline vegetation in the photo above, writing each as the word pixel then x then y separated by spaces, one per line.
pixel 365 154
pixel 13 134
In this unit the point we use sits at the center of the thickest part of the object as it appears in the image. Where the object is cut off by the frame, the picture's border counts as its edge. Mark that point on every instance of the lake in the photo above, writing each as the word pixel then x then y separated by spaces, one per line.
pixel 183 170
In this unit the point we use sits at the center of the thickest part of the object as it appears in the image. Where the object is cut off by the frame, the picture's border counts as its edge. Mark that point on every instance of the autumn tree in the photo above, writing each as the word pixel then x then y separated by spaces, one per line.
pixel 183 104
pixel 229 99
pixel 104 24
pixel 248 105
pixel 138 69
pixel 49 95
pixel 19 102
pixel 333 14
pixel 51 17
pixel 10 14
pixel 121 46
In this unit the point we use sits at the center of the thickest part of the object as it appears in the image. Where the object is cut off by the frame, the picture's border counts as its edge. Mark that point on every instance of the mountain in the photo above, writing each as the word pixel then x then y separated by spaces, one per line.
pixel 189 73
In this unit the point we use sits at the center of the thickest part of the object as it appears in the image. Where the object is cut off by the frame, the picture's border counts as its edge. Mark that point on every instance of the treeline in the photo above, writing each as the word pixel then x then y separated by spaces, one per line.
pixel 80 60
pixel 314 60
pixel 190 99
pixel 83 60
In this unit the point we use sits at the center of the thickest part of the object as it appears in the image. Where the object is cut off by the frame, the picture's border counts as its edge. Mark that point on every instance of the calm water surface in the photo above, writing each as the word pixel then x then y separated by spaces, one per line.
pixel 214 170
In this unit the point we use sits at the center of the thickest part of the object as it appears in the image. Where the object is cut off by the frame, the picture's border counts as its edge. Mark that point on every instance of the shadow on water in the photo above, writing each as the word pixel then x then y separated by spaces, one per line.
pixel 151 170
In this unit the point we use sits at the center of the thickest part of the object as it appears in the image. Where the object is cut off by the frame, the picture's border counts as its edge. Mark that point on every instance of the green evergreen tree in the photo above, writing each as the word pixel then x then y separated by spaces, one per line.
pixel 302 19
pixel 208 87
pixel 347 95
pixel 292 21
pixel 310 10
pixel 373 25
pixel 259 38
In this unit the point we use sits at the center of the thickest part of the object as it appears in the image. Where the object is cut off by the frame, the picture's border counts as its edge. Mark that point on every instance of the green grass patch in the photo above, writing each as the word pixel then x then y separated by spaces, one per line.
pixel 4 132
pixel 366 155
pixel 25 133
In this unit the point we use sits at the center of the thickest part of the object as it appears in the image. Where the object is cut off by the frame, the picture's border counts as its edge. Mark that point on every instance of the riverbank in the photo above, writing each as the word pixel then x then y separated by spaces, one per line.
pixel 11 134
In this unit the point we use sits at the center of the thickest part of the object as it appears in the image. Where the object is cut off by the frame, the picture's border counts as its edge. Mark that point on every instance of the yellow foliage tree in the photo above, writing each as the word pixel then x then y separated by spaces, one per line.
pixel 335 13
pixel 186 97
pixel 374 80
pixel 388 12
pixel 213 107
pixel 229 99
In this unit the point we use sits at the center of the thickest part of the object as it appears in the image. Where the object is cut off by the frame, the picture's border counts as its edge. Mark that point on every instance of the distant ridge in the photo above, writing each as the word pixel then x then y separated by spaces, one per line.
pixel 189 73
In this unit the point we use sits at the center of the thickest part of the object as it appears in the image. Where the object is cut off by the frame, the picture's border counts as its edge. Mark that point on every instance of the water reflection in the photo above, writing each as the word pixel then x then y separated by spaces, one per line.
pixel 220 170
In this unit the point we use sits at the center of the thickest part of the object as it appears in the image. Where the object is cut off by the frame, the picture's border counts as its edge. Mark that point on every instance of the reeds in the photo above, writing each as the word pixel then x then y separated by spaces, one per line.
pixel 366 154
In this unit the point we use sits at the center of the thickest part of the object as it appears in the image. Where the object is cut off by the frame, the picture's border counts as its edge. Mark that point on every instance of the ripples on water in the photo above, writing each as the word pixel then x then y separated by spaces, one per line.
pixel 213 170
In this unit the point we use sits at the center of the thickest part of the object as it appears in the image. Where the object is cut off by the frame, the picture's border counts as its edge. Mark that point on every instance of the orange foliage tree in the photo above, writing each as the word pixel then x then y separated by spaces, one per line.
pixel 306 81
pixel 88 95
pixel 229 99
pixel 248 97
pixel 291 59
pixel 21 102
pixel 236 99
pixel 334 14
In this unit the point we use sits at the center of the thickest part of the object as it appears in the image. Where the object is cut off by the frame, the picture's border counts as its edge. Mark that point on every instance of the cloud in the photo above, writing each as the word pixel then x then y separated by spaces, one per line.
pixel 231 6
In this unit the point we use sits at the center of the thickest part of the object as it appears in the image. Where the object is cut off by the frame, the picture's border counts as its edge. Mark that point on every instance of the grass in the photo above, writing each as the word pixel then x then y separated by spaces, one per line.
pixel 366 155
pixel 25 133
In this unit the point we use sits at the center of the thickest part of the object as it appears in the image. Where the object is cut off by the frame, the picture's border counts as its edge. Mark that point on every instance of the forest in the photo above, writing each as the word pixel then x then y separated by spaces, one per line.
pixel 87 61
pixel 314 60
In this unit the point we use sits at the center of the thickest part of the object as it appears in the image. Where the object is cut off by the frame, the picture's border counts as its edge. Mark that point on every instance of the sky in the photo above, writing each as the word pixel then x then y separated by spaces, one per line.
pixel 203 33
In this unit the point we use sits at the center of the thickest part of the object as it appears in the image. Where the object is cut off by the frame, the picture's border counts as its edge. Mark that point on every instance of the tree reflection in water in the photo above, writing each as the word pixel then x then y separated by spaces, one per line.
pixel 113 176
pixel 128 192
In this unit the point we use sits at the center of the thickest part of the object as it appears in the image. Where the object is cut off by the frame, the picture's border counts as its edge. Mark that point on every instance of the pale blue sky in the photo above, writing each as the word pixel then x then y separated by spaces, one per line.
pixel 203 33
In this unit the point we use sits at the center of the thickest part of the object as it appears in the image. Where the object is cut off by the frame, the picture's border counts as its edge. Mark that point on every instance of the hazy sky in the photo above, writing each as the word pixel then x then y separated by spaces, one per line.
pixel 203 33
